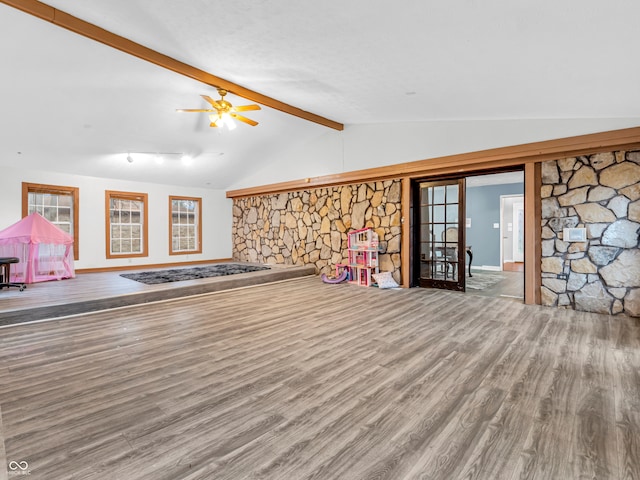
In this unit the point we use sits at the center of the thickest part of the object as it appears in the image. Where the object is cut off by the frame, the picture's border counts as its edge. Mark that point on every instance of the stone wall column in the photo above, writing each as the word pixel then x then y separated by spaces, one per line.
pixel 600 193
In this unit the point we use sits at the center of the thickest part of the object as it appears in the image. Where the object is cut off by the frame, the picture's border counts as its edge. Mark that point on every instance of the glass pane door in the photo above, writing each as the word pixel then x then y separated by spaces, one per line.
pixel 441 234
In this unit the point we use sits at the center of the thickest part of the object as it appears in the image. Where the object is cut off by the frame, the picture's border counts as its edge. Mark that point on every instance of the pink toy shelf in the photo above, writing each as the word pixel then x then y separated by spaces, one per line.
pixel 362 257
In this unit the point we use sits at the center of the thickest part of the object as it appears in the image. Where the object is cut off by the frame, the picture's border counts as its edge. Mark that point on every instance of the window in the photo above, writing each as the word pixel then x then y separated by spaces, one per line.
pixel 185 217
pixel 126 218
pixel 57 204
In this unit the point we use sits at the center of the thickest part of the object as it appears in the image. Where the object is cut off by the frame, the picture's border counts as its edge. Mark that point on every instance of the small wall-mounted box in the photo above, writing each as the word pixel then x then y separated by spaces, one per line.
pixel 574 234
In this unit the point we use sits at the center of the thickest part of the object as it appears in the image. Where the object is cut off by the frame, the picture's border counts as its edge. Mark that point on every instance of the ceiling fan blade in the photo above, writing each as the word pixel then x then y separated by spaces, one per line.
pixel 246 108
pixel 213 102
pixel 253 123
pixel 194 110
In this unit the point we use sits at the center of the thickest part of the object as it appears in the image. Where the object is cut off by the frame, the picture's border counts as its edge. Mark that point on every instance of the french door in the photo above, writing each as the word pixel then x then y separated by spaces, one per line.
pixel 440 242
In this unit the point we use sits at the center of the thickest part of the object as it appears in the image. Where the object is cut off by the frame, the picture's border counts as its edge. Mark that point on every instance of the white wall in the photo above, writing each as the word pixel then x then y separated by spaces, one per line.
pixel 366 146
pixel 216 216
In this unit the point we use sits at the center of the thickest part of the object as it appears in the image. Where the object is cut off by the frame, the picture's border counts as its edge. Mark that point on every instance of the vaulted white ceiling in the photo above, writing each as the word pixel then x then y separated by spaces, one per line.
pixel 74 105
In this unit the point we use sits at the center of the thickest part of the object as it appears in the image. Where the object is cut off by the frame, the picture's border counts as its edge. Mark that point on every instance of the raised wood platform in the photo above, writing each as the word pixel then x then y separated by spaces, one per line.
pixel 90 292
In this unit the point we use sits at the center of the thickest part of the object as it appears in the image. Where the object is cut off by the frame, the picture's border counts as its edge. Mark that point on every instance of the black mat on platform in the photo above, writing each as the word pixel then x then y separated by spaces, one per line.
pixel 180 274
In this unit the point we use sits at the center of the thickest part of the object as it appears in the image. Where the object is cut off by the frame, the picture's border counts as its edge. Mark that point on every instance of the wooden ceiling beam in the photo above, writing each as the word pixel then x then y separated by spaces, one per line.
pixel 89 30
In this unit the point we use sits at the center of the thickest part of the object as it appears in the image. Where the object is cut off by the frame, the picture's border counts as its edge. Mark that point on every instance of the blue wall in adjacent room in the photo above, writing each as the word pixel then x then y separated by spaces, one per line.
pixel 483 208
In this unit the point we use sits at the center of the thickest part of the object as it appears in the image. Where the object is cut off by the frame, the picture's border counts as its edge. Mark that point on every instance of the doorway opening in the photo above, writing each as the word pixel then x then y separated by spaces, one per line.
pixel 512 232
pixel 495 229
pixel 468 234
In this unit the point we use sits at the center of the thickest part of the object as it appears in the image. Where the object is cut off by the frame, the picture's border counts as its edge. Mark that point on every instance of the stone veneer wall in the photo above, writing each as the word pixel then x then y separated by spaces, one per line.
pixel 310 227
pixel 602 193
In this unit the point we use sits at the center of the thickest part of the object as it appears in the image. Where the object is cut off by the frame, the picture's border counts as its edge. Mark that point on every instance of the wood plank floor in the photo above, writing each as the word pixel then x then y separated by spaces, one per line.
pixel 302 380
pixel 513 266
pixel 511 286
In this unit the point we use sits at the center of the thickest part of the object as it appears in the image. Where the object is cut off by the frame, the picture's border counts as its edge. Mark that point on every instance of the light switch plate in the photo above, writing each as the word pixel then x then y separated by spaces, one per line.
pixel 574 234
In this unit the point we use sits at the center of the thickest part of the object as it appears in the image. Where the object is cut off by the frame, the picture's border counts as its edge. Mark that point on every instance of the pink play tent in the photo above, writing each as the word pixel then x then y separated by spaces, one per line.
pixel 44 250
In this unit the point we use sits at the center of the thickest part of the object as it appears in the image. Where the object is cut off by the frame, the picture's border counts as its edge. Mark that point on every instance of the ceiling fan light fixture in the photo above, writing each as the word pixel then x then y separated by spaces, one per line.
pixel 228 121
pixel 222 120
pixel 223 112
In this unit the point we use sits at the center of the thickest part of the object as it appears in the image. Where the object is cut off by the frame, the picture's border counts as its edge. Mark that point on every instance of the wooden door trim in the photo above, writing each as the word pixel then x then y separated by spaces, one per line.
pixel 406 223
pixel 532 233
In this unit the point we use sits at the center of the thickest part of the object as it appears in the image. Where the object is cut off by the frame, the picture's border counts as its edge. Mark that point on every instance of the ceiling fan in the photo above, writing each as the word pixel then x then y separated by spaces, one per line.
pixel 224 112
